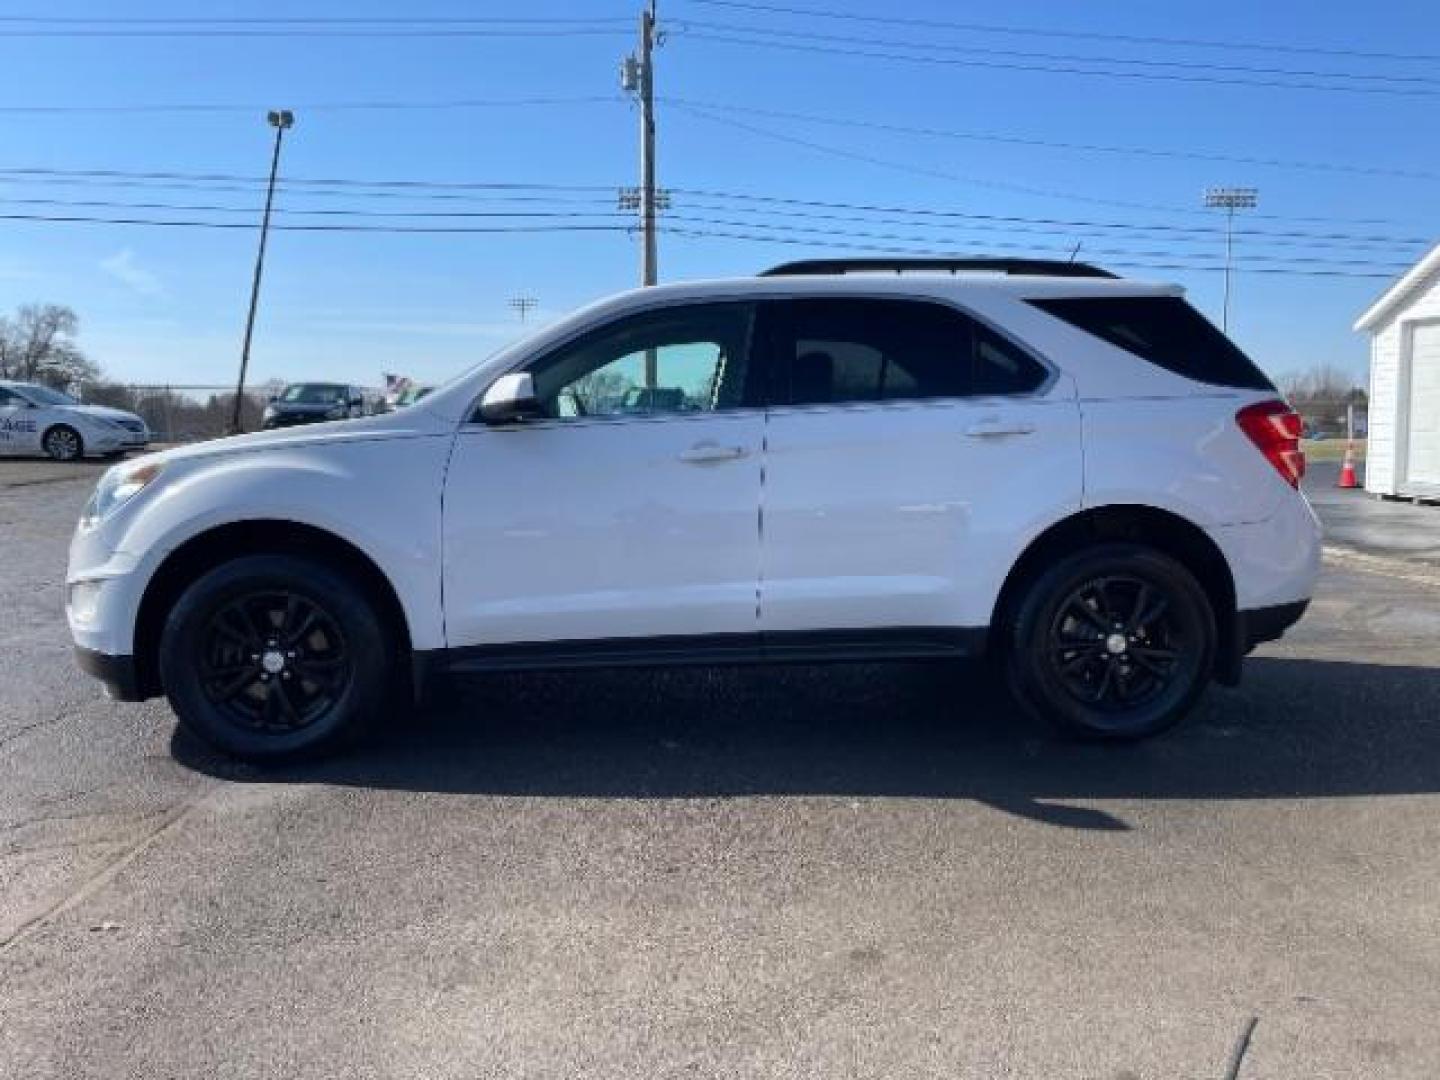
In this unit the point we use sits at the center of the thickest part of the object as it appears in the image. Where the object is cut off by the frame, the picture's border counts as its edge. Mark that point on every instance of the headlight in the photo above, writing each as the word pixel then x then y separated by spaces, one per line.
pixel 117 487
pixel 268 413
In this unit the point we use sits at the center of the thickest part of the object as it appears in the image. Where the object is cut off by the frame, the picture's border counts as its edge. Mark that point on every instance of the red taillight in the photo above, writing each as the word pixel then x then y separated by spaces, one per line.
pixel 1275 429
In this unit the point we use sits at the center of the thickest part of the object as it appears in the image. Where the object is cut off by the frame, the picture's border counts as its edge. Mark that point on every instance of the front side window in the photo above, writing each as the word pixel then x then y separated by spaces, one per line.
pixel 43 395
pixel 677 360
pixel 856 349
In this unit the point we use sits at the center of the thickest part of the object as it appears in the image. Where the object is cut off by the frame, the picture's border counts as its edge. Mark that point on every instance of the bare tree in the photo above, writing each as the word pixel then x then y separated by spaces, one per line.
pixel 1321 395
pixel 38 345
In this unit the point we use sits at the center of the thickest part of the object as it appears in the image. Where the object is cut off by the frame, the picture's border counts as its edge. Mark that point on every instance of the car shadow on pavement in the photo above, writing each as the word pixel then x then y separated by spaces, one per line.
pixel 1297 728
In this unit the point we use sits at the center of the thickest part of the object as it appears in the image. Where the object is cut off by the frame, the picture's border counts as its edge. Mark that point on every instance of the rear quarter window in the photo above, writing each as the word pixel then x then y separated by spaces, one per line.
pixel 1164 331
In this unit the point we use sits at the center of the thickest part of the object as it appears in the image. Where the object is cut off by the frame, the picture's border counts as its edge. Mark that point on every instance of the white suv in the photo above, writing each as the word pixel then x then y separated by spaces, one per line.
pixel 1074 474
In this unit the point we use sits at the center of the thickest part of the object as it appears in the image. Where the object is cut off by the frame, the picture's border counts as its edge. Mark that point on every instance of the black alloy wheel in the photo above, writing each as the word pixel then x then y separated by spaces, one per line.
pixel 274 661
pixel 1114 642
pixel 276 657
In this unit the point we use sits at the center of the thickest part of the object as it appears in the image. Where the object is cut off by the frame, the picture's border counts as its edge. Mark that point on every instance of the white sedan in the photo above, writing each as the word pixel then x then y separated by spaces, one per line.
pixel 35 419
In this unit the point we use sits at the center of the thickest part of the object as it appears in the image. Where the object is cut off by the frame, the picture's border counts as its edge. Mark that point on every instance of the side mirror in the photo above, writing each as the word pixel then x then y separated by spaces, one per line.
pixel 274 398
pixel 510 398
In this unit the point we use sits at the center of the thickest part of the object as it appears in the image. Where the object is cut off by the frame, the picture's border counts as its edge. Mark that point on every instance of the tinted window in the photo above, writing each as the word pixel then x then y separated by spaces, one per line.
pixel 854 349
pixel 1166 331
pixel 683 359
pixel 314 394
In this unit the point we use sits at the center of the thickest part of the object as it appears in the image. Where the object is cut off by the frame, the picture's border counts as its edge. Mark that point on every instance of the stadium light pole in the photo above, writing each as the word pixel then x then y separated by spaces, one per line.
pixel 1230 199
pixel 281 120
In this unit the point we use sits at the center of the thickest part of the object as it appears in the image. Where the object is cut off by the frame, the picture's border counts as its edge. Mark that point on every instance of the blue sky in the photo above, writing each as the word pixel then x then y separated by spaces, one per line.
pixel 167 304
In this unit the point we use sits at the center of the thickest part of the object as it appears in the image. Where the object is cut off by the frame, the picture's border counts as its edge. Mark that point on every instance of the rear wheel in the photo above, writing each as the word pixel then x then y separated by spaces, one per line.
pixel 274 657
pixel 1115 642
pixel 63 443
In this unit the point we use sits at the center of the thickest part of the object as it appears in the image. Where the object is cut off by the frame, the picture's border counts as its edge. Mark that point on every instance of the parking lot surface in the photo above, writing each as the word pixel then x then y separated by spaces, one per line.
pixel 842 871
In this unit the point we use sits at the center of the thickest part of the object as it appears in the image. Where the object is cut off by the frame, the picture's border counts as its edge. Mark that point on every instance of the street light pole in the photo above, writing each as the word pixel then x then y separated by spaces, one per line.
pixel 1230 200
pixel 281 120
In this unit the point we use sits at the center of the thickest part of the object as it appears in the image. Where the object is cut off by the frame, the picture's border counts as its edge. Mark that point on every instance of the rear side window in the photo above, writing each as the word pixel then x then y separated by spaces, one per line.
pixel 857 349
pixel 1167 332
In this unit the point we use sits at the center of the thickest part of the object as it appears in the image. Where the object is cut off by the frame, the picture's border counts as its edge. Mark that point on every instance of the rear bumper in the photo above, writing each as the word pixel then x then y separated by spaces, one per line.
pixel 116 673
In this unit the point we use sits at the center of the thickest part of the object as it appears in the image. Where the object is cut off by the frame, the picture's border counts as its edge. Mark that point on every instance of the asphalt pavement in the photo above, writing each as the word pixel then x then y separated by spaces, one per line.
pixel 875 871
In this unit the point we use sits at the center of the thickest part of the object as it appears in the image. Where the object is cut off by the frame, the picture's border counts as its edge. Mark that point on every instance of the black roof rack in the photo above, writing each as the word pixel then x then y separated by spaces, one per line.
pixel 1027 267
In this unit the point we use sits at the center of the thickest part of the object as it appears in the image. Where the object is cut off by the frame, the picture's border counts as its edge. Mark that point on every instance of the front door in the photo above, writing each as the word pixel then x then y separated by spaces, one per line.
pixel 910 451
pixel 19 424
pixel 630 510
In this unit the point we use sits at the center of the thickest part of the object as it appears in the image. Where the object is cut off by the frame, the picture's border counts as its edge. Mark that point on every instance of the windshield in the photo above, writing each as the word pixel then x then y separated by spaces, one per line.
pixel 313 394
pixel 43 395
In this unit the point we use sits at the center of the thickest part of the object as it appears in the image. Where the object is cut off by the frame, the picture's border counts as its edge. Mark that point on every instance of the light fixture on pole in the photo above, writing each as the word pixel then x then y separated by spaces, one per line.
pixel 1230 199
pixel 281 120
pixel 523 305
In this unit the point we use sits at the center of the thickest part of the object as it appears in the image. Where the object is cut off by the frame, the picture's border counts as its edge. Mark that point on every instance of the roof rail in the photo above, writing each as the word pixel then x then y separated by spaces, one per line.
pixel 1027 267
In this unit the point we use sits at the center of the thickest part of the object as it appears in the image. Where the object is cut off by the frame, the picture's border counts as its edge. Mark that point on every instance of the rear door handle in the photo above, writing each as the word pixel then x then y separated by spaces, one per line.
pixel 706 452
pixel 994 426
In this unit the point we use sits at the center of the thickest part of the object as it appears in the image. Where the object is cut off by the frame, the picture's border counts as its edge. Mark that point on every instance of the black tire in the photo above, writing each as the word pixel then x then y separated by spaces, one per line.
pixel 275 658
pixel 63 443
pixel 1115 642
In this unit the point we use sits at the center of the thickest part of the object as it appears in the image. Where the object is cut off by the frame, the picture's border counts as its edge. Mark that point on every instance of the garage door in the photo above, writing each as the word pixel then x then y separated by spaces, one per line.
pixel 1424 420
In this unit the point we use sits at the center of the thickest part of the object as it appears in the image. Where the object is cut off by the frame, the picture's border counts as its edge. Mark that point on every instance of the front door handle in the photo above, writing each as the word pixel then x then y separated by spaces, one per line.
pixel 994 426
pixel 706 452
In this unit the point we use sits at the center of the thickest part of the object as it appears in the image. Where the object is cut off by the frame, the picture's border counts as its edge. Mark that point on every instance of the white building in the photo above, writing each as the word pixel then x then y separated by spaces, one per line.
pixel 1403 457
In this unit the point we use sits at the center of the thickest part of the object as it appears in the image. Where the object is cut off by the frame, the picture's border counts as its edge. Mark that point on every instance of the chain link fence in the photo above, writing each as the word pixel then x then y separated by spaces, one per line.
pixel 188 413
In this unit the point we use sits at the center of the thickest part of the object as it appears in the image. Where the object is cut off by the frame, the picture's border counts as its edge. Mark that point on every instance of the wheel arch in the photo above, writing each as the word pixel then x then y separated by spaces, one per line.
pixel 1163 530
pixel 219 543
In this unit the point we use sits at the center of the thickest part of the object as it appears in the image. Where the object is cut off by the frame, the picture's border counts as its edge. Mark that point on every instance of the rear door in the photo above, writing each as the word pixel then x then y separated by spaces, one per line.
pixel 911 451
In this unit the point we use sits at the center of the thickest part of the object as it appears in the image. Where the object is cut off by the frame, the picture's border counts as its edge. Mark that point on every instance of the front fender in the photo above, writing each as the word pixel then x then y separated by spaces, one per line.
pixel 382 496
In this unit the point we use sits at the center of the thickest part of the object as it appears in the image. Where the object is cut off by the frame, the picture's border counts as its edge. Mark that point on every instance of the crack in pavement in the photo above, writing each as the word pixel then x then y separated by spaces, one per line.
pixel 173 819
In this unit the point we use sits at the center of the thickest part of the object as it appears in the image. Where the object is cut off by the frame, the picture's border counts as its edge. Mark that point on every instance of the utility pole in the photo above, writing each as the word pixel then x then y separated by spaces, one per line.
pixel 281 120
pixel 637 75
pixel 523 305
pixel 1230 199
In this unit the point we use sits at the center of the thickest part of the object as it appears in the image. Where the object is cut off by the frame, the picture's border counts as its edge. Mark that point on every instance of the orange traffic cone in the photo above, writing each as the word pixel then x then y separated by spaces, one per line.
pixel 1347 468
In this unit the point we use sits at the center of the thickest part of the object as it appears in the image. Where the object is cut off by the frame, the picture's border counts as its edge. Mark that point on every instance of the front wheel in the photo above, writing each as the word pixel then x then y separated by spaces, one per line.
pixel 1115 642
pixel 274 657
pixel 63 443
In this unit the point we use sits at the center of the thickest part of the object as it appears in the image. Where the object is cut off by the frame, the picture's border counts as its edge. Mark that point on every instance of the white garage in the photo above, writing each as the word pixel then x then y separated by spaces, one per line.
pixel 1404 328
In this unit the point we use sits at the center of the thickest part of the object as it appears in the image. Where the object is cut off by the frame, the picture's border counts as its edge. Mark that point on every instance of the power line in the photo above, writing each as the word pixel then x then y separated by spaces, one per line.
pixel 1079 35
pixel 754 230
pixel 1000 185
pixel 603 194
pixel 967 222
pixel 920 170
pixel 321 106
pixel 413 29
pixel 86 219
pixel 1003 246
pixel 1126 263
pixel 764 41
pixel 1048 144
pixel 322 20
pixel 979 50
pixel 1057 230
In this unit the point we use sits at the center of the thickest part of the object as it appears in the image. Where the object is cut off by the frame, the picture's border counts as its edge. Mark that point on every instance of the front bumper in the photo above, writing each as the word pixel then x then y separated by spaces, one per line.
pixel 118 674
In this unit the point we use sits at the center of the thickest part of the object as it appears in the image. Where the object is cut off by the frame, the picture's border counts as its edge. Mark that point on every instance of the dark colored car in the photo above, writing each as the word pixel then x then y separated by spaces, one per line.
pixel 310 403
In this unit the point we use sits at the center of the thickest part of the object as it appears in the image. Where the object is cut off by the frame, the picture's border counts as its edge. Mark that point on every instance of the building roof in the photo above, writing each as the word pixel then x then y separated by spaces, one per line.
pixel 1397 294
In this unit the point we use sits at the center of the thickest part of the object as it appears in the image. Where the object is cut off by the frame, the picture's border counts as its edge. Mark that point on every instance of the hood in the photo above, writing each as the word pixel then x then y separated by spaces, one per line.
pixel 407 424
pixel 103 412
